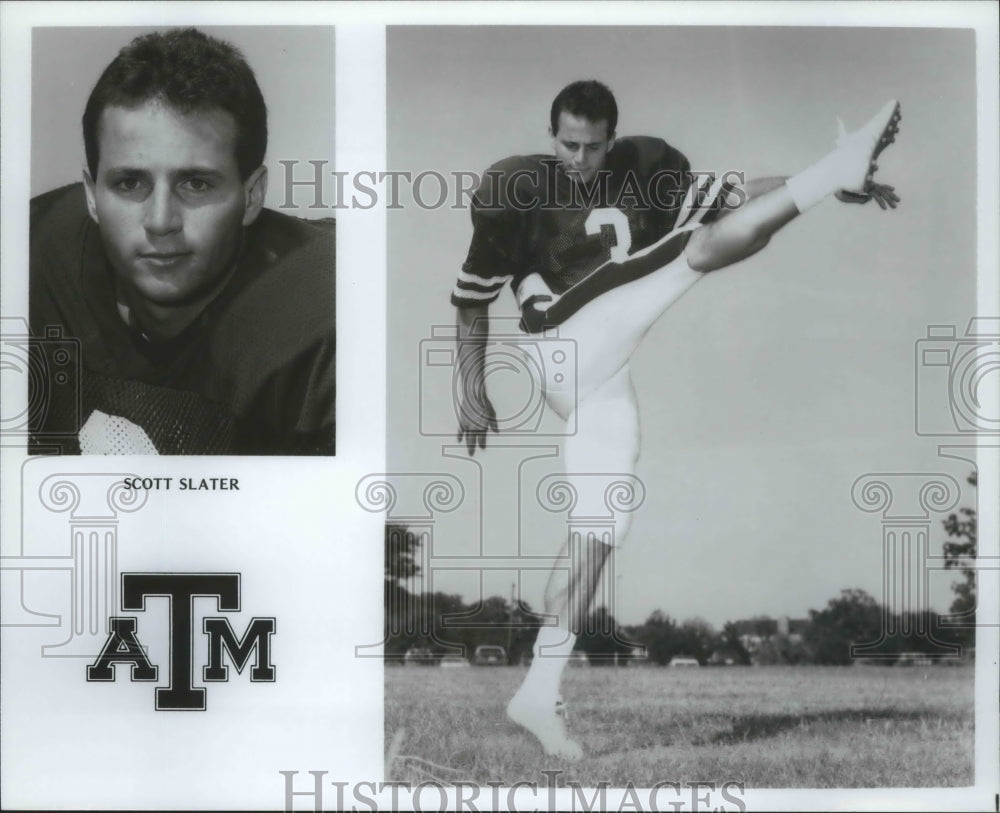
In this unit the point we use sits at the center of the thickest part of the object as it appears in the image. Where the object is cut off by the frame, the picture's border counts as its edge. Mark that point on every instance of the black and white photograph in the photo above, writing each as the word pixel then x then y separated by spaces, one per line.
pixel 684 353
pixel 499 406
pixel 171 265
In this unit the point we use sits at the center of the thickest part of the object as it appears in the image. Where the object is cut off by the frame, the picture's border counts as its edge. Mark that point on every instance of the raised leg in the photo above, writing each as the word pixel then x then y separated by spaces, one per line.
pixel 609 312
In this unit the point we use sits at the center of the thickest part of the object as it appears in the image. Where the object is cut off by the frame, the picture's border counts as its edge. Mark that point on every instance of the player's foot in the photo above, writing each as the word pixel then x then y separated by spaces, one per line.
pixel 858 150
pixel 546 721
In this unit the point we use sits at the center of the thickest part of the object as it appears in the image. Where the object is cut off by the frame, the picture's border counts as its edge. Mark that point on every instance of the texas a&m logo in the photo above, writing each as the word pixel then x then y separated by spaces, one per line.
pixel 180 589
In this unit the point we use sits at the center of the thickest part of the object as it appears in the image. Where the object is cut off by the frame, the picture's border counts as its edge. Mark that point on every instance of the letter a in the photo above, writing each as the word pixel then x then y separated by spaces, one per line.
pixel 122 647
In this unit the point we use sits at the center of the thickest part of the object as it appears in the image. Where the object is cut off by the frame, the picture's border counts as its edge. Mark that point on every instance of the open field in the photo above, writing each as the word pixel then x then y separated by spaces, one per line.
pixel 769 727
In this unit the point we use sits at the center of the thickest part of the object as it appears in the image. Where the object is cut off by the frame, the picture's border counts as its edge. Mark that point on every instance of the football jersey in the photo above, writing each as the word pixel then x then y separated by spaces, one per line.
pixel 529 217
pixel 254 373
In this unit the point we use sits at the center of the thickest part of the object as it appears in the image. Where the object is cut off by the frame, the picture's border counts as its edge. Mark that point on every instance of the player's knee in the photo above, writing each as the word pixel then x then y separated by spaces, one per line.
pixel 723 243
pixel 700 252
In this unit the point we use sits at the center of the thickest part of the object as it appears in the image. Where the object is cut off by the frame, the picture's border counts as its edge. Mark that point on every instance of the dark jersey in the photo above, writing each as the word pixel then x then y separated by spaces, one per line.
pixel 253 374
pixel 529 217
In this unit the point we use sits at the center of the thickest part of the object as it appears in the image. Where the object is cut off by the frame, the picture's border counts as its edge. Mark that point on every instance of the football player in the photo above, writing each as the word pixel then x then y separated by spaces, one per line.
pixel 600 240
pixel 204 322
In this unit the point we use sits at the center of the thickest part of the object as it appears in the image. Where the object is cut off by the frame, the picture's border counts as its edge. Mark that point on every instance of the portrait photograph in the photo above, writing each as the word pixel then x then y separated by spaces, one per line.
pixel 182 259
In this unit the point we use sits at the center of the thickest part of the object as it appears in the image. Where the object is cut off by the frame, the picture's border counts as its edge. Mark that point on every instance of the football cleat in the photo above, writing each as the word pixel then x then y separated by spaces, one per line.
pixel 547 722
pixel 858 150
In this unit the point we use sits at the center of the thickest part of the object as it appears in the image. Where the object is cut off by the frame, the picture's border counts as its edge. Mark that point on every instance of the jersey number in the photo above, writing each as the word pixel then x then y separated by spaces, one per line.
pixel 615 220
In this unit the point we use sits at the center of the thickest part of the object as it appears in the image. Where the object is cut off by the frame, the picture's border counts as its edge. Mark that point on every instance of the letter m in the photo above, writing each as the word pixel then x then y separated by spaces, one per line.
pixel 220 635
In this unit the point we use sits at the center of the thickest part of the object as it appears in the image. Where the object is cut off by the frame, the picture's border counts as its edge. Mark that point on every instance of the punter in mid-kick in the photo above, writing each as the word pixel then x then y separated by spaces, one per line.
pixel 600 240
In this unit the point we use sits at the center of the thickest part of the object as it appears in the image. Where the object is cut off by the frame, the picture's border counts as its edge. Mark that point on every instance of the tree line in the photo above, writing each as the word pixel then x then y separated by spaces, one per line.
pixel 441 623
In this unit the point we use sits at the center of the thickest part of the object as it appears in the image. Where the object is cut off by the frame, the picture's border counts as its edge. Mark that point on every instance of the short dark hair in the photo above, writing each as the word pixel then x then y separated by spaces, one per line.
pixel 188 71
pixel 588 99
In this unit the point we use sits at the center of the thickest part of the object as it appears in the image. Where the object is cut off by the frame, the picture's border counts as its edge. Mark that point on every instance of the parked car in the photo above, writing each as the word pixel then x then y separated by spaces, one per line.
pixel 453 661
pixel 684 662
pixel 637 656
pixel 914 659
pixel 420 656
pixel 490 655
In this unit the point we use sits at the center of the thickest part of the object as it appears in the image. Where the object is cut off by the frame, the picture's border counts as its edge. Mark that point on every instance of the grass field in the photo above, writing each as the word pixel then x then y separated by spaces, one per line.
pixel 769 727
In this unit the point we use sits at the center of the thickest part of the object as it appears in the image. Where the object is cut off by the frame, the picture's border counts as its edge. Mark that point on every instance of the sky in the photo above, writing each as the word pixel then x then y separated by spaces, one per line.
pixel 771 386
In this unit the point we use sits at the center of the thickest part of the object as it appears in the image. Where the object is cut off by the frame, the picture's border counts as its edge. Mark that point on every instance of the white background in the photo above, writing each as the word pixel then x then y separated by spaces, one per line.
pixel 311 557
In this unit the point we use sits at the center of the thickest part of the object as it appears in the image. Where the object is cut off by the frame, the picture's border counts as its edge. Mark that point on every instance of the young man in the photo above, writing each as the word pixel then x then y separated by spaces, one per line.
pixel 599 241
pixel 204 323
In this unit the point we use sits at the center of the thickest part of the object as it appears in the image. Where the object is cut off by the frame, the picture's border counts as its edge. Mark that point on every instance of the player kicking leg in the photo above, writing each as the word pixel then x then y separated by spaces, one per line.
pixel 609 312
pixel 607 327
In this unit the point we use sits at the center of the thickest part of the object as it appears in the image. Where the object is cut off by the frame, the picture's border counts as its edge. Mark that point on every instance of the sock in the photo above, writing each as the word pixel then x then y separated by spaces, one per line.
pixel 552 650
pixel 847 166
pixel 815 183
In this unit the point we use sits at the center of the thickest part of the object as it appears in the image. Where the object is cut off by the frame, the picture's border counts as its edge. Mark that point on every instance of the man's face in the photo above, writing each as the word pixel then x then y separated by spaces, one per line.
pixel 169 200
pixel 581 146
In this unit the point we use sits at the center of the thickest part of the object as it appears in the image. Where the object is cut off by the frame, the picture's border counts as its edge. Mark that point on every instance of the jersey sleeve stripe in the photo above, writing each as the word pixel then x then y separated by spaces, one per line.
pixel 474 279
pixel 462 296
pixel 709 203
pixel 715 201
pixel 477 289
pixel 691 207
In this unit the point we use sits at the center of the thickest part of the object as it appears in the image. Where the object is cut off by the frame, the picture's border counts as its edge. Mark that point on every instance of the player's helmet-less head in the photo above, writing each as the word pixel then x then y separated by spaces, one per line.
pixel 588 99
pixel 188 71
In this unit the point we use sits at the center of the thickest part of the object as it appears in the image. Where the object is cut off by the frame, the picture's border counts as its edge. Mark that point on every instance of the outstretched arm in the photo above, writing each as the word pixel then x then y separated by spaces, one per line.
pixel 476 415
